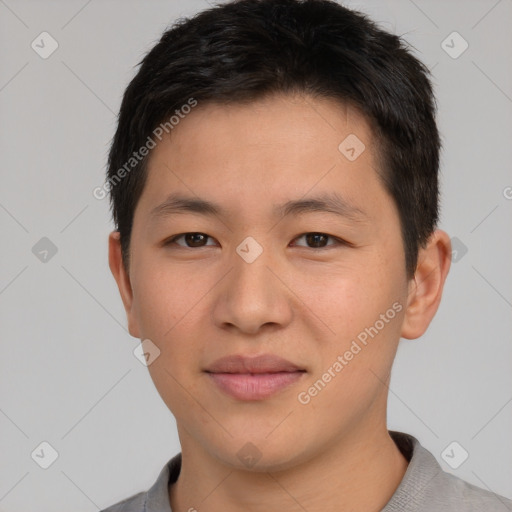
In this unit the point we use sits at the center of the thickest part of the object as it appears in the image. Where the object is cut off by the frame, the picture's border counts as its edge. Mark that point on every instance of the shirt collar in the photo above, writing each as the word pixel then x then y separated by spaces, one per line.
pixel 422 469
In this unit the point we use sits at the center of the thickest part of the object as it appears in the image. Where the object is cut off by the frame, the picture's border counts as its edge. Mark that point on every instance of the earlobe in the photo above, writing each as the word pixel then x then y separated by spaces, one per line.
pixel 122 278
pixel 426 289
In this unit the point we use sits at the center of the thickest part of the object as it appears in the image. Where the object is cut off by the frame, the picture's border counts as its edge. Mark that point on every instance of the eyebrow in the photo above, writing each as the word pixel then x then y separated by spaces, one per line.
pixel 331 202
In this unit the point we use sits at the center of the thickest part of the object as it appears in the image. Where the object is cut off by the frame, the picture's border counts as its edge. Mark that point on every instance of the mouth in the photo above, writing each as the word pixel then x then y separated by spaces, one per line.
pixel 254 386
pixel 253 378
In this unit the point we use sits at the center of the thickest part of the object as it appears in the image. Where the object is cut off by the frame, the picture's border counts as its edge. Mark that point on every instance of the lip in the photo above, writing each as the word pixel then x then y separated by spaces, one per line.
pixel 252 386
pixel 253 378
pixel 264 363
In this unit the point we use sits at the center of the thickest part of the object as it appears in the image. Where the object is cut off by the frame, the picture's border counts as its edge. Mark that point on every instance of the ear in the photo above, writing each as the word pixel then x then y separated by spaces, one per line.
pixel 122 278
pixel 426 288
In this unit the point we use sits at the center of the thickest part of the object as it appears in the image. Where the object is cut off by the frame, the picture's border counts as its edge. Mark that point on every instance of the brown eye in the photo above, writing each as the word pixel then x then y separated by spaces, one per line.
pixel 313 240
pixel 318 240
pixel 191 240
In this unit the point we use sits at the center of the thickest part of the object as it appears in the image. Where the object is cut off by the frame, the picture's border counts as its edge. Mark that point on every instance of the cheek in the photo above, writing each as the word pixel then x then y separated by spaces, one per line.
pixel 164 296
pixel 167 305
pixel 363 307
pixel 172 305
pixel 355 362
pixel 351 297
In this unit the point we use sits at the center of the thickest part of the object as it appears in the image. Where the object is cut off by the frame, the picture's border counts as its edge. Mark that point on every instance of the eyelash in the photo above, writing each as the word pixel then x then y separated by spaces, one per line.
pixel 338 241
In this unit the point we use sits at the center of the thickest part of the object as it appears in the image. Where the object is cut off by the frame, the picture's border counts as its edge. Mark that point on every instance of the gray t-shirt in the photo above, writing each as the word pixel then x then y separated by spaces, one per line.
pixel 425 487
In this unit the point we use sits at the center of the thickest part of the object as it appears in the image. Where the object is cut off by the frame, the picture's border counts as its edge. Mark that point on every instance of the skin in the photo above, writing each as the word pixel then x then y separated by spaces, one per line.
pixel 303 302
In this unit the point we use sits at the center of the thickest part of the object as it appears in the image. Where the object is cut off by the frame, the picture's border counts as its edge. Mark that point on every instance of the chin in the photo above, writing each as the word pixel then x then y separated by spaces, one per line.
pixel 256 454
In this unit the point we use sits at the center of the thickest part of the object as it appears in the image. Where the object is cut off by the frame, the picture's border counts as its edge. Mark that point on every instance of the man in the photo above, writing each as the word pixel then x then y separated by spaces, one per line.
pixel 273 180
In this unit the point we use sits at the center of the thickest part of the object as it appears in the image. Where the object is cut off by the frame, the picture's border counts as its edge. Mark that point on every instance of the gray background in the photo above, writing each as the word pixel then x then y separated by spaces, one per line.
pixel 68 373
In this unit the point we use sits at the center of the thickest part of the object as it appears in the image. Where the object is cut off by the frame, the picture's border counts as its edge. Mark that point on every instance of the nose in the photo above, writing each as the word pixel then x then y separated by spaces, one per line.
pixel 253 295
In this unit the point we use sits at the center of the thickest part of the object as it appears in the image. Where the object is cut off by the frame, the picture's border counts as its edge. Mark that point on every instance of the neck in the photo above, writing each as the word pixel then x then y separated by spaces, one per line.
pixel 360 472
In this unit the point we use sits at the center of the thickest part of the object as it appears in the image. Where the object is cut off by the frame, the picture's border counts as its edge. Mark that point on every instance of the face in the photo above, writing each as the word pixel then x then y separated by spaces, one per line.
pixel 322 287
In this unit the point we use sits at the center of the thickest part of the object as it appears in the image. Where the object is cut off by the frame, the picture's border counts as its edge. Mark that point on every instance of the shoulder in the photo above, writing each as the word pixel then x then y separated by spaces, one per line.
pixel 426 486
pixel 466 497
pixel 156 498
pixel 135 503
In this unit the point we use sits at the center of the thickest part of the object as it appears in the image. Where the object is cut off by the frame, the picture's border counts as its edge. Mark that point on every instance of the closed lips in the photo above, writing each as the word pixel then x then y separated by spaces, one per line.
pixel 265 363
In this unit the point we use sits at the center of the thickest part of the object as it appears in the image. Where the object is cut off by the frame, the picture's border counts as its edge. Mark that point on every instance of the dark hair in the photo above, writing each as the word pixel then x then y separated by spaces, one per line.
pixel 244 50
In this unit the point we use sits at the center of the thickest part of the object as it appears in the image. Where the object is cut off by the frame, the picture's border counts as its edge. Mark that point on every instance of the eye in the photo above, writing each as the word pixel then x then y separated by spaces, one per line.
pixel 191 239
pixel 313 240
pixel 317 240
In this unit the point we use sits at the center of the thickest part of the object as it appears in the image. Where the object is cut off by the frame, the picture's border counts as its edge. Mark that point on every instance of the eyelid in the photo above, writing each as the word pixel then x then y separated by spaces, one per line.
pixel 338 241
pixel 172 239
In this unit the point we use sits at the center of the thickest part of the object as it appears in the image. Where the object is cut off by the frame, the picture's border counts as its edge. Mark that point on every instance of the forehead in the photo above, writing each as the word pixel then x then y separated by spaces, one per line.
pixel 288 122
pixel 265 153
